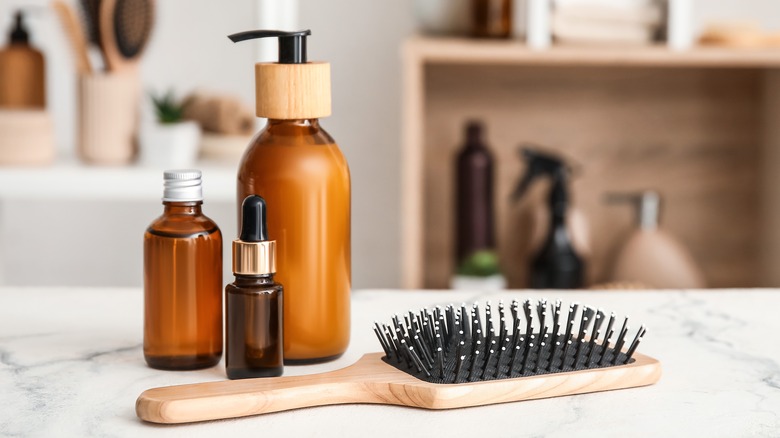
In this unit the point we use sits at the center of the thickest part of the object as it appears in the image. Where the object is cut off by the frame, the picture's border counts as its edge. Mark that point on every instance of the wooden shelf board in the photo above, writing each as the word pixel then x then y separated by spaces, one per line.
pixel 512 52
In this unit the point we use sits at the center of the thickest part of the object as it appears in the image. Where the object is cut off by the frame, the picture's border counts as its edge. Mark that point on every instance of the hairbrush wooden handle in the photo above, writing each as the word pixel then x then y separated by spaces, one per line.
pixel 76 35
pixel 372 381
pixel 240 398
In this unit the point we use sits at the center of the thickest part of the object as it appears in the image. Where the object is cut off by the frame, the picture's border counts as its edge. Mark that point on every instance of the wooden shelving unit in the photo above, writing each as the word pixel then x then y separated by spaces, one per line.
pixel 700 126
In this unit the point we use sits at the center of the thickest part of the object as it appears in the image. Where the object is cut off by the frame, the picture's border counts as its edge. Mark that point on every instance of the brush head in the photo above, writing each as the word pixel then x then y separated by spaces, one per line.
pixel 452 345
pixel 133 21
pixel 91 14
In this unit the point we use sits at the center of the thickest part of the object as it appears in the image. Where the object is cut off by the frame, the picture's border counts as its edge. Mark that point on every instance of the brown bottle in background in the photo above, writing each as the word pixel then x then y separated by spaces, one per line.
pixel 254 301
pixel 474 195
pixel 302 175
pixel 22 71
pixel 182 280
pixel 491 18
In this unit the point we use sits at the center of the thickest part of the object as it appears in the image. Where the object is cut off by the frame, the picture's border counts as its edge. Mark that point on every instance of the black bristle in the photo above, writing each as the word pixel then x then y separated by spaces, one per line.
pixel 382 341
pixel 459 366
pixel 635 343
pixel 464 317
pixel 553 348
pixel 593 347
pixel 605 351
pixel 620 341
pixel 564 355
pixel 450 344
pixel 526 353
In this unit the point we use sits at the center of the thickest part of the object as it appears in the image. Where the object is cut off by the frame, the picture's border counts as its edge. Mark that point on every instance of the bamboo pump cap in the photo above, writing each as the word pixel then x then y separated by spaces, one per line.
pixel 291 88
pixel 253 253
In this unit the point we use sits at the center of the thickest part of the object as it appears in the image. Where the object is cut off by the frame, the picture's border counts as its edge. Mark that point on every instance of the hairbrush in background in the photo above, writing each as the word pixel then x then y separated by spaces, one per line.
pixel 125 27
pixel 450 357
pixel 90 9
pixel 76 35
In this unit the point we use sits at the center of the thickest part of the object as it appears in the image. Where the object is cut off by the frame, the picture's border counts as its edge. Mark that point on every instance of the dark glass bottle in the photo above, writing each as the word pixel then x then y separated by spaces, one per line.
pixel 491 18
pixel 254 301
pixel 182 280
pixel 254 327
pixel 474 195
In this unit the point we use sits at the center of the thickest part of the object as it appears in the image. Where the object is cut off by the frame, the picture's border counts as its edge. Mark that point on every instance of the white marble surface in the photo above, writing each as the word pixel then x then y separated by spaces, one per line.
pixel 71 365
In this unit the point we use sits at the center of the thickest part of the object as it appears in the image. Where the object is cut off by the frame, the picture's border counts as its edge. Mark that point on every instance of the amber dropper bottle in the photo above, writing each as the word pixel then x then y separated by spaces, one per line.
pixel 254 300
pixel 182 280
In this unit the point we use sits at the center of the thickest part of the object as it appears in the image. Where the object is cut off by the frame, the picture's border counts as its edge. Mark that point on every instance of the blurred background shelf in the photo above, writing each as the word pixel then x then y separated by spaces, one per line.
pixel 699 126
pixel 448 50
pixel 72 180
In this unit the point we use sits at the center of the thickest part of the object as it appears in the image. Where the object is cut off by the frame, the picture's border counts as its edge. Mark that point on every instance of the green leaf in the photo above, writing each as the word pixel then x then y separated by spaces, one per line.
pixel 167 108
pixel 483 263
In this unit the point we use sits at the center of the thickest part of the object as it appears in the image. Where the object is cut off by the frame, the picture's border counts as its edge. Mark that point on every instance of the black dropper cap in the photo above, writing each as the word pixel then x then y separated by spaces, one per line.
pixel 292 45
pixel 19 34
pixel 253 224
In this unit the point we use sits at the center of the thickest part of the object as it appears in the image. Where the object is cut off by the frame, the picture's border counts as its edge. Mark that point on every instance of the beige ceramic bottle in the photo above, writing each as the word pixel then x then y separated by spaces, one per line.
pixel 650 256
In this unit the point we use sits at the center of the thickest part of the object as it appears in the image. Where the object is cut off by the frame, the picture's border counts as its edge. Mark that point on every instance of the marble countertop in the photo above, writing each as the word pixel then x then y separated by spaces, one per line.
pixel 71 365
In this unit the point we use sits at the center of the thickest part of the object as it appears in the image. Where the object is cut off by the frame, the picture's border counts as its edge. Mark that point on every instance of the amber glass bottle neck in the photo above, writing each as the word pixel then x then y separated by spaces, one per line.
pixel 313 123
pixel 253 280
pixel 188 208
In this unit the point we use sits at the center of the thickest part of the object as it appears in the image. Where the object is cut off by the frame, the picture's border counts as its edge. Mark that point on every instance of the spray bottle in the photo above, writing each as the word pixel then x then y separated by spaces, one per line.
pixel 556 263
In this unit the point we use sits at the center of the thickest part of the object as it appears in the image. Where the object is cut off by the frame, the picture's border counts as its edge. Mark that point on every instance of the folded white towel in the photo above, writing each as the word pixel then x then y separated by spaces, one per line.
pixel 573 31
pixel 644 12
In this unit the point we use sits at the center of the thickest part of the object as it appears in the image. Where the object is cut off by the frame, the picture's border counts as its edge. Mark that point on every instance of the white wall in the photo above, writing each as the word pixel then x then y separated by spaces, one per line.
pixel 100 244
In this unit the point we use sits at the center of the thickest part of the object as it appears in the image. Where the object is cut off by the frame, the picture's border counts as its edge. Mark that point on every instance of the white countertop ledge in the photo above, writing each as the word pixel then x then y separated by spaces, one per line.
pixel 71 365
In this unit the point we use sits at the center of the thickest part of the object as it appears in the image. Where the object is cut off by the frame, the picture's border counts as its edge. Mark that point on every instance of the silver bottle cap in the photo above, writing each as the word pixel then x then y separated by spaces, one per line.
pixel 182 186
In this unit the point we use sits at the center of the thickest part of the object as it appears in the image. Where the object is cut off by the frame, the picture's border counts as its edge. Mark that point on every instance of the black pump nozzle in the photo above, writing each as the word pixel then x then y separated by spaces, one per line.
pixel 292 45
pixel 19 33
pixel 253 226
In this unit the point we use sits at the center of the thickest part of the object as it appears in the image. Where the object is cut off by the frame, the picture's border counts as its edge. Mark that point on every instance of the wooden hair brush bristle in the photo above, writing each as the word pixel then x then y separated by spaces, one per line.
pixel 441 359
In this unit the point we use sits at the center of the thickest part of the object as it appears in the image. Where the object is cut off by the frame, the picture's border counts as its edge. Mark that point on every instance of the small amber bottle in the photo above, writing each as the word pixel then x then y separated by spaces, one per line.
pixel 255 345
pixel 22 71
pixel 491 18
pixel 182 280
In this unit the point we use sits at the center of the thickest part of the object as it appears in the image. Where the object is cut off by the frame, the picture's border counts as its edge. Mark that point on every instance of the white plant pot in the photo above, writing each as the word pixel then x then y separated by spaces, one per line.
pixel 491 283
pixel 169 145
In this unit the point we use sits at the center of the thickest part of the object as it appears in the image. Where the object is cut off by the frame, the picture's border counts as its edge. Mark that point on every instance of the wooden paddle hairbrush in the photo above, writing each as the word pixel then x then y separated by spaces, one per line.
pixel 441 359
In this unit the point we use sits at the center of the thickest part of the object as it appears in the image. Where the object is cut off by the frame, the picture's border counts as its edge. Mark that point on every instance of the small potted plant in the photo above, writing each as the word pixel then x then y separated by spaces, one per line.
pixel 479 271
pixel 171 141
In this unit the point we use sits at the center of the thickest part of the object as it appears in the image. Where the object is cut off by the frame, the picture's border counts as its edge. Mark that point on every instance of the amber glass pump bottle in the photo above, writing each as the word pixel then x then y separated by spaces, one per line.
pixel 182 280
pixel 303 176
pixel 22 70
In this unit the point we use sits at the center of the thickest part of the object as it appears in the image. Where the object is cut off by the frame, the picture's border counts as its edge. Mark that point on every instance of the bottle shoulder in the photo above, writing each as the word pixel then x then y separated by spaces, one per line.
pixel 174 225
pixel 16 52
pixel 280 152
